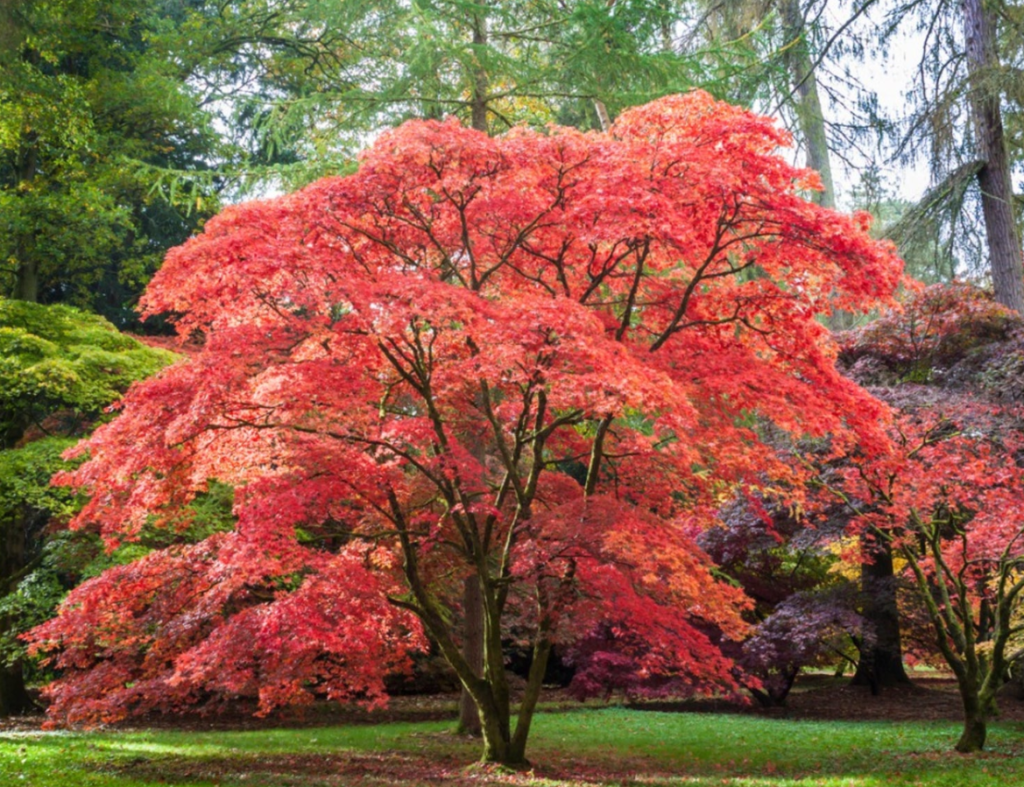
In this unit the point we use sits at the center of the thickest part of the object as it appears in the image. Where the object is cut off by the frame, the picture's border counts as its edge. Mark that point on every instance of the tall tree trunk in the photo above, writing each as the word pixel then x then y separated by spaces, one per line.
pixel 470 722
pixel 807 104
pixel 810 116
pixel 604 118
pixel 481 83
pixel 26 281
pixel 1004 244
pixel 881 662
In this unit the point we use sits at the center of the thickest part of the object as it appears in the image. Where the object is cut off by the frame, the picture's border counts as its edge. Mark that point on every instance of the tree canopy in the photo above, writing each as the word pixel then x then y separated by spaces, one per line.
pixel 537 360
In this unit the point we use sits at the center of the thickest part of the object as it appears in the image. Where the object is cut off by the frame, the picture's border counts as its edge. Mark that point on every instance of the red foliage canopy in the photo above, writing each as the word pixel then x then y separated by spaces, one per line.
pixel 541 359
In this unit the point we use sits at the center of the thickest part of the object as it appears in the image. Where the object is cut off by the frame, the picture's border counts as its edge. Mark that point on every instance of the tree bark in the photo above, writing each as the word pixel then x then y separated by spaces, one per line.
pixel 807 104
pixel 1004 243
pixel 880 664
pixel 473 651
pixel 810 117
pixel 14 696
pixel 26 281
pixel 481 83
pixel 972 738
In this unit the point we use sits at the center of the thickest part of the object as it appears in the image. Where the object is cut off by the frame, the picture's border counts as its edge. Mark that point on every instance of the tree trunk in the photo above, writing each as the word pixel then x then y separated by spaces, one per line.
pixel 1004 245
pixel 975 721
pixel 14 698
pixel 810 117
pixel 473 650
pixel 534 683
pixel 26 282
pixel 881 662
pixel 481 83
pixel 807 104
pixel 775 697
pixel 973 737
pixel 496 739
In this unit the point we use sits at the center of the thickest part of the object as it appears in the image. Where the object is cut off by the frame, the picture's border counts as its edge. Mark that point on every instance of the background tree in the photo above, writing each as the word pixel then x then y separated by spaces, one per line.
pixel 965 81
pixel 88 93
pixel 352 69
pixel 945 362
pixel 60 369
pixel 949 502
pixel 804 610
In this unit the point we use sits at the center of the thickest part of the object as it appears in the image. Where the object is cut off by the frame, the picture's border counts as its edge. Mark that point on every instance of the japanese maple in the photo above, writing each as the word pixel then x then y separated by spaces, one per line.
pixel 935 328
pixel 804 607
pixel 948 499
pixel 539 360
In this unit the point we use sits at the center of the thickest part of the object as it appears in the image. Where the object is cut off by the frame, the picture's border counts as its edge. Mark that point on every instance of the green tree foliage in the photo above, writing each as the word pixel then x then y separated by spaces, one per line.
pixel 89 91
pixel 326 74
pixel 60 368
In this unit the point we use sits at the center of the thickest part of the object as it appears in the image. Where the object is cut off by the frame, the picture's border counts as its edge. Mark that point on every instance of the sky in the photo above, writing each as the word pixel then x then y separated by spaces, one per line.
pixel 889 77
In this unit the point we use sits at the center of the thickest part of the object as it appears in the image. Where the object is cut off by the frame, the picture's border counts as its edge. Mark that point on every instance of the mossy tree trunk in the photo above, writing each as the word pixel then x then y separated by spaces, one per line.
pixel 807 102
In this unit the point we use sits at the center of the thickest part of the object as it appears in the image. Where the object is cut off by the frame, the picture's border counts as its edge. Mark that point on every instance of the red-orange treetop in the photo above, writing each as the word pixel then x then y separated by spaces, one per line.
pixel 542 359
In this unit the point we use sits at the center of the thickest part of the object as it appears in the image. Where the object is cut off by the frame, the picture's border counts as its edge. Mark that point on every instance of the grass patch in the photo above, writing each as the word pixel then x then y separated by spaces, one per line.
pixel 610 746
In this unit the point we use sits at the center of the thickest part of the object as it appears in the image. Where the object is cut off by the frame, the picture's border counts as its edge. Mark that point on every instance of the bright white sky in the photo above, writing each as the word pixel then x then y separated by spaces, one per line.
pixel 889 78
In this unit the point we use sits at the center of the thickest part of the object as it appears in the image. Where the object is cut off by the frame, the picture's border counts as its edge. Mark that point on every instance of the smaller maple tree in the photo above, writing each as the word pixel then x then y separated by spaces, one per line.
pixel 539 361
pixel 936 326
pixel 804 610
pixel 949 500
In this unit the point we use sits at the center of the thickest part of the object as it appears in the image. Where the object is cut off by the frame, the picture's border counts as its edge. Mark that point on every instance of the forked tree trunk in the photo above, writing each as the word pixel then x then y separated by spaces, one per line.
pixel 501 744
pixel 881 663
pixel 490 694
pixel 1004 244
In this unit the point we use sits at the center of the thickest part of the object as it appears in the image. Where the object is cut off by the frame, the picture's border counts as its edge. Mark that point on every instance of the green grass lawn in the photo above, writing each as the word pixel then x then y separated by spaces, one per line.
pixel 610 746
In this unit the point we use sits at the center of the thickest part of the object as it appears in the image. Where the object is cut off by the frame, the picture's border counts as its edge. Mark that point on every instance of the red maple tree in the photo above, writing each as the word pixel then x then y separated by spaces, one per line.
pixel 541 360
pixel 948 499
